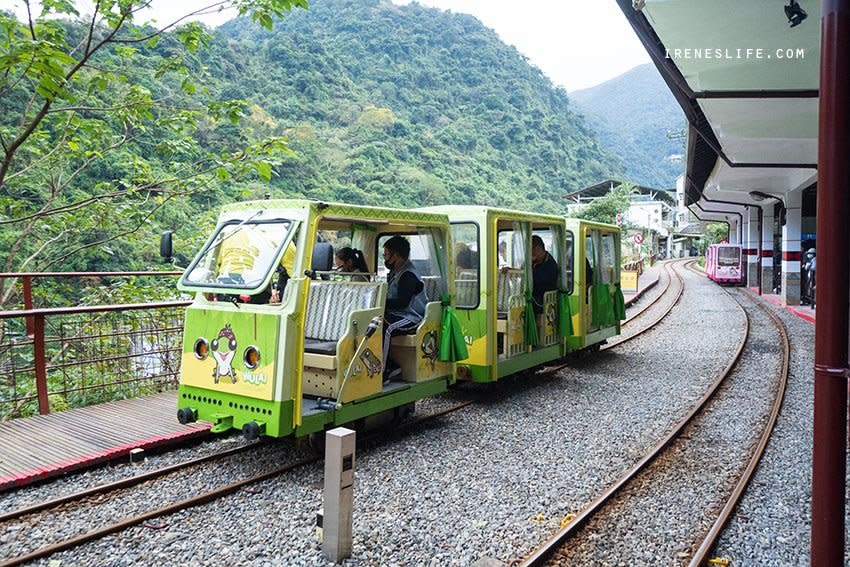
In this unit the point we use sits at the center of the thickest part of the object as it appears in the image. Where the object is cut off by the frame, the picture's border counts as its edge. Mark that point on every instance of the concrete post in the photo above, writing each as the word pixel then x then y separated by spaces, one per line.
pixel 767 248
pixel 751 246
pixel 338 493
pixel 791 254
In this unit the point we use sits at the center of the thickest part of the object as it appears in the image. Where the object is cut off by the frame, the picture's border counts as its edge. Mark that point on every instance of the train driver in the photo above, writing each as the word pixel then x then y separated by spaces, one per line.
pixel 544 272
pixel 406 298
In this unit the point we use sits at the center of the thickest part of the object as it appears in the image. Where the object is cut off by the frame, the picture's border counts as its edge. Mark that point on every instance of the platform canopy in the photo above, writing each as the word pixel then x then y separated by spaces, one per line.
pixel 747 83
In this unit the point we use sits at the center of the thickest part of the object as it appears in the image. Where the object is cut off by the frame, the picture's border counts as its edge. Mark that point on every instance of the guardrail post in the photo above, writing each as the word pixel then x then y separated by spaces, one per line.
pixel 40 360
pixel 27 282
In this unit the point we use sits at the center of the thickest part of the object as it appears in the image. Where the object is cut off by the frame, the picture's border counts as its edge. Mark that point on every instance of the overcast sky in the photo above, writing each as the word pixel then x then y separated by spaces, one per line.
pixel 576 43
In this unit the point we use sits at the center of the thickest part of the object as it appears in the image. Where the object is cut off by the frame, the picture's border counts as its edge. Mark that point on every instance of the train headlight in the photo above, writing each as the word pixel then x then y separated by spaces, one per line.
pixel 201 349
pixel 251 357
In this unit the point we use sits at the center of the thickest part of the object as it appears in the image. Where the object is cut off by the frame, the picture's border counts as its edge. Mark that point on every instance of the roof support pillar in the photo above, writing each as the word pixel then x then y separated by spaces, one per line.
pixel 751 246
pixel 833 229
pixel 767 248
pixel 791 254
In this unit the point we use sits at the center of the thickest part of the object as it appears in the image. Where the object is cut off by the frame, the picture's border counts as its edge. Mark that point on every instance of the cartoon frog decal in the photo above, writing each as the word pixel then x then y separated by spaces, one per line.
pixel 429 347
pixel 223 348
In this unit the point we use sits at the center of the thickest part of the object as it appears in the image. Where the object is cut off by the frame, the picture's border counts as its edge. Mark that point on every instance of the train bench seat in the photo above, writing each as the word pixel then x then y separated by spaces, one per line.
pixel 330 308
pixel 509 293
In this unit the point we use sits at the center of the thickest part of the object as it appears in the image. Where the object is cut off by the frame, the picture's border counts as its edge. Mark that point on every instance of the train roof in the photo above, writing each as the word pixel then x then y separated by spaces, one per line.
pixel 341 210
pixel 486 210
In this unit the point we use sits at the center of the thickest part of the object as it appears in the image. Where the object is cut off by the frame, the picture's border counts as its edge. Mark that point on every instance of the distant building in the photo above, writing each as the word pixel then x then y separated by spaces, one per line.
pixel 654 211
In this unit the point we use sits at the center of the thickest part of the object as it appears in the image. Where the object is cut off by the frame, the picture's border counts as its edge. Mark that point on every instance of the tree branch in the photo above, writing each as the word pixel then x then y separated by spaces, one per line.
pixel 200 12
pixel 13 147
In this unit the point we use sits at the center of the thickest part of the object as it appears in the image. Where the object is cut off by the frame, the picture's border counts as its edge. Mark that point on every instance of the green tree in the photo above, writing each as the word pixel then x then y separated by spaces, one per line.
pixel 100 122
pixel 606 208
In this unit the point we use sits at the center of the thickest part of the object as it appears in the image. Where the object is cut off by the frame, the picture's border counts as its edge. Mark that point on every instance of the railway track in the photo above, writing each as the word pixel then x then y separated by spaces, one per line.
pixel 626 492
pixel 29 513
pixel 674 294
pixel 197 500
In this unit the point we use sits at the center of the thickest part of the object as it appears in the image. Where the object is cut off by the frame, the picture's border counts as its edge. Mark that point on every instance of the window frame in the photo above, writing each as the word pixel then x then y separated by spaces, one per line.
pixel 480 257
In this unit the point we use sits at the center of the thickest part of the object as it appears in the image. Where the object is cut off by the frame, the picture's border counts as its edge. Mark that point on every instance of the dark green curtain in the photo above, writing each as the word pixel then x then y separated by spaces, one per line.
pixel 603 307
pixel 565 316
pixel 452 345
pixel 531 337
pixel 619 303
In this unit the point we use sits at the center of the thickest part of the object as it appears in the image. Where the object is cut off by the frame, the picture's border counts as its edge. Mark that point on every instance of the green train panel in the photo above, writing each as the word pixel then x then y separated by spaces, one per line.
pixel 277 343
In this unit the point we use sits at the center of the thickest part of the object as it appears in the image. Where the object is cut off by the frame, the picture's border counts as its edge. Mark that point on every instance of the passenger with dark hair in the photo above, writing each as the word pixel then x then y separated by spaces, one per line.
pixel 351 261
pixel 406 298
pixel 544 272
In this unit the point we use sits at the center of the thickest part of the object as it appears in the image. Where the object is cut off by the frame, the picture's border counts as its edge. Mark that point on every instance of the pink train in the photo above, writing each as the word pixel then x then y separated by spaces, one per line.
pixel 723 264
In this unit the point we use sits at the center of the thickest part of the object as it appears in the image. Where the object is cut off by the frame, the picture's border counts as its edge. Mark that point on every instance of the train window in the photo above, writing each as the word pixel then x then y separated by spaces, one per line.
pixel 569 255
pixel 551 242
pixel 590 260
pixel 511 247
pixel 465 238
pixel 428 256
pixel 728 256
pixel 608 259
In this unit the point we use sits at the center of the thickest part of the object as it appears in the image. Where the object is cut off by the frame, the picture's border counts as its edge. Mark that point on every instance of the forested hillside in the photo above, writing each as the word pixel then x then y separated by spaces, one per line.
pixel 407 105
pixel 632 114
pixel 378 103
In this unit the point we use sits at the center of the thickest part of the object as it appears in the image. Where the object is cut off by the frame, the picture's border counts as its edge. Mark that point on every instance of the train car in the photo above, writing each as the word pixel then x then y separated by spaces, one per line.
pixel 278 344
pixel 507 323
pixel 723 264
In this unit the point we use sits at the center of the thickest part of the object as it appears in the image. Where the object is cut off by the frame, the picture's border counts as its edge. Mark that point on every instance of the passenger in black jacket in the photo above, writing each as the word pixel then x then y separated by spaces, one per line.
pixel 544 272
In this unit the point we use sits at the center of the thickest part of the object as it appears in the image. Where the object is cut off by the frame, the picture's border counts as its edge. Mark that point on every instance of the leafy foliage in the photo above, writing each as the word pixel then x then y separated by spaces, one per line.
pixel 99 122
pixel 126 130
pixel 606 208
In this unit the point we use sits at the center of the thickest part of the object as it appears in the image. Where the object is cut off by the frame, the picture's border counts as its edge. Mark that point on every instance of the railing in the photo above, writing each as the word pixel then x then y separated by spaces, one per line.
pixel 73 356
pixel 82 355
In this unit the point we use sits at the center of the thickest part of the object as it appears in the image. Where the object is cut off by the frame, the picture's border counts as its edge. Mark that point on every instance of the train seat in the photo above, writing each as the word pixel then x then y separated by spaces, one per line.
pixel 328 312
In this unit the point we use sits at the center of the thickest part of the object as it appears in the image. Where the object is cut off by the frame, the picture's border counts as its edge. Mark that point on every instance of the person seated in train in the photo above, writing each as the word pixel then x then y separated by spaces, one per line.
pixel 464 258
pixel 350 260
pixel 544 272
pixel 406 299
pixel 504 263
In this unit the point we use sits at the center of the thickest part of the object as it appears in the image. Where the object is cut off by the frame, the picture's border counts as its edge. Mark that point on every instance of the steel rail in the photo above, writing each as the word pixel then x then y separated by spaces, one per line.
pixel 661 317
pixel 655 299
pixel 123 483
pixel 197 500
pixel 552 369
pixel 701 555
pixel 542 553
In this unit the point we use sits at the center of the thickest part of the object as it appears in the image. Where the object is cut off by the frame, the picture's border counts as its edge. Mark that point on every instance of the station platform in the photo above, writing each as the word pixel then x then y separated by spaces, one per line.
pixel 804 312
pixel 44 446
pixel 646 281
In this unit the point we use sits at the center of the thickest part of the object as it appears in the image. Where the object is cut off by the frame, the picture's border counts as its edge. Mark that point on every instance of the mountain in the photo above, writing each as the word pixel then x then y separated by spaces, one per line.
pixel 408 105
pixel 381 104
pixel 632 114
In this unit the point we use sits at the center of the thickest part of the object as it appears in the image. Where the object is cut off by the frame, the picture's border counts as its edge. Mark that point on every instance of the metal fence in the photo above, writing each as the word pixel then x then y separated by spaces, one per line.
pixel 52 359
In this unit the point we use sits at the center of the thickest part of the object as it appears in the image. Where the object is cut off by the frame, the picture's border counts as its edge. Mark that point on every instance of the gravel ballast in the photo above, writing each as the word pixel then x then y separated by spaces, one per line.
pixel 488 483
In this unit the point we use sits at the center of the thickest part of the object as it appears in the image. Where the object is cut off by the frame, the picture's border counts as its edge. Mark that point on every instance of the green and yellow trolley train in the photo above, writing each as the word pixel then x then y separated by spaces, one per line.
pixel 278 343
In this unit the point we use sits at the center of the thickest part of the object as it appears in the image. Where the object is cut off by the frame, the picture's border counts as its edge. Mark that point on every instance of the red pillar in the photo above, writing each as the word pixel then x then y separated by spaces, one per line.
pixel 830 419
pixel 40 359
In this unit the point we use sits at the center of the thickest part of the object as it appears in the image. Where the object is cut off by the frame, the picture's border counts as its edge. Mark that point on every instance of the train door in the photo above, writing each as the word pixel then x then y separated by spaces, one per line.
pixel 513 272
pixel 590 276
pixel 548 279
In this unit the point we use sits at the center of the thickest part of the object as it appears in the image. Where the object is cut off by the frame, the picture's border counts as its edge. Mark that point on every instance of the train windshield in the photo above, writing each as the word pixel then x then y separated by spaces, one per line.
pixel 728 256
pixel 241 254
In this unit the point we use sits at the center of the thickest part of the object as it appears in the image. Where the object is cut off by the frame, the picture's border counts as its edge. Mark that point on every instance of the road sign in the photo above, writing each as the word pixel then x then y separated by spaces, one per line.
pixel 619 219
pixel 638 238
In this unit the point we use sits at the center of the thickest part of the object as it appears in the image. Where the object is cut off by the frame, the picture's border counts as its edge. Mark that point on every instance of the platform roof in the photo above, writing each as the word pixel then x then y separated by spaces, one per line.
pixel 603 187
pixel 748 84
